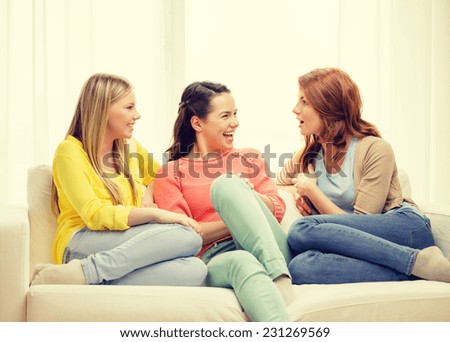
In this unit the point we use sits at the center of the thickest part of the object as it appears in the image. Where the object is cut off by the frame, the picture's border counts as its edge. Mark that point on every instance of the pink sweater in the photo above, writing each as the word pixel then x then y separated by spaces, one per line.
pixel 183 185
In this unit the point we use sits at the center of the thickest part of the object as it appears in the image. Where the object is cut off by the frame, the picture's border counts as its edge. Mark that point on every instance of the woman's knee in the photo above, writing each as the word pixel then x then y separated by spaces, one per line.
pixel 224 186
pixel 197 271
pixel 422 237
pixel 234 266
pixel 190 243
pixel 303 268
pixel 188 271
pixel 300 233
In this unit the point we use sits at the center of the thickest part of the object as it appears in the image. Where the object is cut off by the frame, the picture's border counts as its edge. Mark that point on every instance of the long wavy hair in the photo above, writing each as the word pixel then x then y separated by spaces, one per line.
pixel 195 101
pixel 335 96
pixel 88 125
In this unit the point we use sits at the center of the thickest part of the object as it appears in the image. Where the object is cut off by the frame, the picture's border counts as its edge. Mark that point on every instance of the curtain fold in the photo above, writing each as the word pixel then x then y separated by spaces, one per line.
pixel 398 52
pixel 50 47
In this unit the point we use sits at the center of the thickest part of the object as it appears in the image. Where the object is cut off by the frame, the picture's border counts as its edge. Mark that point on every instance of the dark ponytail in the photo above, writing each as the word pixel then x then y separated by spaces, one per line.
pixel 195 101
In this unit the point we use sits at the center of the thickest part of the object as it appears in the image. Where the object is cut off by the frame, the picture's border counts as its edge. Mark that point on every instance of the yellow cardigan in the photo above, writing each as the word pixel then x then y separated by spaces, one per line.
pixel 83 199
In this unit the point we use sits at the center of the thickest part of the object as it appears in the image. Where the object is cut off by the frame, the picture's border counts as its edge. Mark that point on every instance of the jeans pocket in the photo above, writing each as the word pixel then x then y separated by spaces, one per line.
pixel 70 252
pixel 66 255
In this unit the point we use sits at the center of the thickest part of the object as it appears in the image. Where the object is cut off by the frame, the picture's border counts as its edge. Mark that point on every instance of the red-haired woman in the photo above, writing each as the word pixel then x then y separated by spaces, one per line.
pixel 357 225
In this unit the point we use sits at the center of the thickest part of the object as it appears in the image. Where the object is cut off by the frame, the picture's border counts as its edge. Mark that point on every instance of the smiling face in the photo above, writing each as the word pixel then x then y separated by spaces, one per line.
pixel 309 119
pixel 122 117
pixel 215 133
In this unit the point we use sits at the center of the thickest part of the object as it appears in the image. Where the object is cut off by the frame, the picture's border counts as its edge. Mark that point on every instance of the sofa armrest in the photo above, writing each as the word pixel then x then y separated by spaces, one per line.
pixel 440 224
pixel 14 258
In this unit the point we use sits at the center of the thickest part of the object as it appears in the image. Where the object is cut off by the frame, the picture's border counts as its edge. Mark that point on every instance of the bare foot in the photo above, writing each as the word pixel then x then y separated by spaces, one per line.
pixel 70 273
pixel 431 264
pixel 284 284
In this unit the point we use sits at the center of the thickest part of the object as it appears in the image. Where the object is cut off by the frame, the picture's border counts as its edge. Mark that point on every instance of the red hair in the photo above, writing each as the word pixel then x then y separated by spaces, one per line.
pixel 335 96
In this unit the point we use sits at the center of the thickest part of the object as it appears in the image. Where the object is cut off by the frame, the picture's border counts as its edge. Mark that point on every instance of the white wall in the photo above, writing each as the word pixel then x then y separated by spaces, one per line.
pixel 397 51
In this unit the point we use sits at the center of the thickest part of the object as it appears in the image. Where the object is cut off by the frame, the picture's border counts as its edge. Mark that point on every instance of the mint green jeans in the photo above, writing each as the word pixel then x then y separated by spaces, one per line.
pixel 260 255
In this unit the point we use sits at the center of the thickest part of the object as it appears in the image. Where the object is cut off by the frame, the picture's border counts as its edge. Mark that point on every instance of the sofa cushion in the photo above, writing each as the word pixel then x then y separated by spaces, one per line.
pixel 101 303
pixel 408 301
pixel 403 301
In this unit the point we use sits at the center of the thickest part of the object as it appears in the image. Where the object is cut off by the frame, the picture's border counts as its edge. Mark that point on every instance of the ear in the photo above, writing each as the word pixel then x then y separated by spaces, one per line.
pixel 196 123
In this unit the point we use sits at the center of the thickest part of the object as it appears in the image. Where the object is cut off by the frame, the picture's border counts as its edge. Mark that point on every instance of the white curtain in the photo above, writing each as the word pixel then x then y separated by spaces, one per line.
pixel 397 51
pixel 50 47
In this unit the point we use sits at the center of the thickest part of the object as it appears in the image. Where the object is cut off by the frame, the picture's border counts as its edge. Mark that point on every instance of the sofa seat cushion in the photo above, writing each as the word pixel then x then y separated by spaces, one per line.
pixel 405 301
pixel 409 301
pixel 102 303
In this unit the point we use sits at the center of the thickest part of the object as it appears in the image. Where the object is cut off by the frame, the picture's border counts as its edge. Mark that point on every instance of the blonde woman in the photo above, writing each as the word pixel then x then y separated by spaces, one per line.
pixel 109 230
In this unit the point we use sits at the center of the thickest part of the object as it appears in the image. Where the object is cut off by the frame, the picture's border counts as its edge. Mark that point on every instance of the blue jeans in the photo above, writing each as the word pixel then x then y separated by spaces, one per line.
pixel 148 254
pixel 258 253
pixel 353 248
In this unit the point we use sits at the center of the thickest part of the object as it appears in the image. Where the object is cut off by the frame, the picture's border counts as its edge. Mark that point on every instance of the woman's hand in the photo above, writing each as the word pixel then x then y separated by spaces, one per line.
pixel 164 216
pixel 302 206
pixel 311 200
pixel 306 183
pixel 263 197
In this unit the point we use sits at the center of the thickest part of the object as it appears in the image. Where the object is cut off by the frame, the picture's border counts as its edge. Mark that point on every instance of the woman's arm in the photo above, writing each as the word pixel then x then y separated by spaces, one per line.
pixel 267 201
pixel 290 170
pixel 265 186
pixel 321 202
pixel 147 198
pixel 306 186
pixel 168 195
pixel 144 215
pixel 80 188
pixel 213 231
pixel 375 177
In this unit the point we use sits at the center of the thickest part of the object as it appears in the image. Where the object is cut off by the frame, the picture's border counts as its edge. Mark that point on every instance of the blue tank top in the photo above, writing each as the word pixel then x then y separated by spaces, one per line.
pixel 339 187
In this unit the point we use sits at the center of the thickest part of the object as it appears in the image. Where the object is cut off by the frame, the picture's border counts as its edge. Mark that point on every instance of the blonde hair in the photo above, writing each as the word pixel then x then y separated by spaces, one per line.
pixel 89 126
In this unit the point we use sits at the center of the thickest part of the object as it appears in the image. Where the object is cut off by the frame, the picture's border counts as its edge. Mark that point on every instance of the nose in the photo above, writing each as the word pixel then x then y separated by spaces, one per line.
pixel 297 110
pixel 234 122
pixel 136 115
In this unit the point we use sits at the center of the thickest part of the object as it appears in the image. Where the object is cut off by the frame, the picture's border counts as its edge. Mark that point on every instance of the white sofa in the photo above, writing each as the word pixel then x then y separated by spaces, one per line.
pixel 26 235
